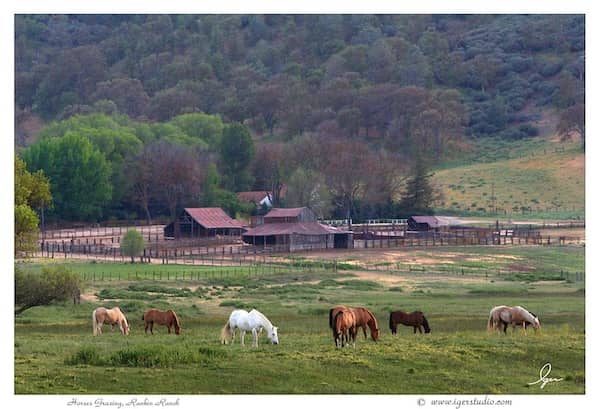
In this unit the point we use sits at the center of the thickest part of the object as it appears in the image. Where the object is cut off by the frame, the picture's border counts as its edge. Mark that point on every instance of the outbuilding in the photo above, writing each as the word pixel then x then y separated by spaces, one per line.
pixel 296 229
pixel 203 222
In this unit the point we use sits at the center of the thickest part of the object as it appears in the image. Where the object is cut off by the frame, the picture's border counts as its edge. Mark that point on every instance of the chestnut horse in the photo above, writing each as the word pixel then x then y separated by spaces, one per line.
pixel 363 317
pixel 114 316
pixel 155 316
pixel 503 315
pixel 344 323
pixel 415 319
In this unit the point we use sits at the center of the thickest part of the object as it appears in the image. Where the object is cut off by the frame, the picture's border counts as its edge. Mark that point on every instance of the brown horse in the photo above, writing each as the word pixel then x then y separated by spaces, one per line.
pixel 365 318
pixel 168 318
pixel 344 327
pixel 503 315
pixel 114 316
pixel 415 319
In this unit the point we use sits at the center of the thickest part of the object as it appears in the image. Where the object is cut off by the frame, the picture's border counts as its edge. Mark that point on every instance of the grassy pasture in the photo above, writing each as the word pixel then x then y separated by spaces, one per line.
pixel 537 174
pixel 55 351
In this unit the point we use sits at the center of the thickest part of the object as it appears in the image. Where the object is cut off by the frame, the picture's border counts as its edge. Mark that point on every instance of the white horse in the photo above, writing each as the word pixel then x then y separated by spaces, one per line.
pixel 114 316
pixel 503 315
pixel 253 321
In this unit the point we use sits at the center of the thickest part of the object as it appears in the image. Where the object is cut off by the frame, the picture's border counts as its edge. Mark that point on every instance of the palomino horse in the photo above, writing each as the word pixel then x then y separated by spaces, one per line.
pixel 415 319
pixel 114 316
pixel 363 317
pixel 503 315
pixel 155 316
pixel 253 321
pixel 344 327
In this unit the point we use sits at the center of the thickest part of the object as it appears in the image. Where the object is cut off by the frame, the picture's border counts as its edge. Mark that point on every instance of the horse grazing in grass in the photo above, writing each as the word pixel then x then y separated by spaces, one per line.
pixel 503 315
pixel 415 319
pixel 344 327
pixel 114 316
pixel 365 318
pixel 155 316
pixel 254 321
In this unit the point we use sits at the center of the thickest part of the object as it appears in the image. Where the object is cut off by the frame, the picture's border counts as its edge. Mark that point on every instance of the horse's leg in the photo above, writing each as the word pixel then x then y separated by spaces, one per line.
pixel 414 329
pixel 419 327
pixel 169 328
pixel 242 335
pixel 254 337
pixel 364 328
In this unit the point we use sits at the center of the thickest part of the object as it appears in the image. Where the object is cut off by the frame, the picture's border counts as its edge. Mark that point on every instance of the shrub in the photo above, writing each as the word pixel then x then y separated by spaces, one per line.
pixel 85 356
pixel 132 244
pixel 53 284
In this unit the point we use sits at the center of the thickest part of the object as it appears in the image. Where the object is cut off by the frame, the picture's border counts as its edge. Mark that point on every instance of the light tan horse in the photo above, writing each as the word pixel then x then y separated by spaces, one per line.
pixel 114 316
pixel 156 316
pixel 503 315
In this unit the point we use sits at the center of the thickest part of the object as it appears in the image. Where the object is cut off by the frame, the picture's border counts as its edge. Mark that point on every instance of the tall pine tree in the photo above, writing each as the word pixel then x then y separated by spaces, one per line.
pixel 419 194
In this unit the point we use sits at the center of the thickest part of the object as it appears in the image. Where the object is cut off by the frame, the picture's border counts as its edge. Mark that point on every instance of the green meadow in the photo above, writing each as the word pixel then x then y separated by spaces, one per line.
pixel 532 177
pixel 55 352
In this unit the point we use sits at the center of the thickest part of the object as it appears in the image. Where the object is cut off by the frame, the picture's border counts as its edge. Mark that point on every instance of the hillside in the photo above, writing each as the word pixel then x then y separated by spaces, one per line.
pixel 538 176
pixel 288 74
pixel 159 112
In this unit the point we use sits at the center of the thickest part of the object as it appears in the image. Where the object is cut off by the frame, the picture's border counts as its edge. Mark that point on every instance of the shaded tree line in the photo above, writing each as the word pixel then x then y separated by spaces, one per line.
pixel 290 74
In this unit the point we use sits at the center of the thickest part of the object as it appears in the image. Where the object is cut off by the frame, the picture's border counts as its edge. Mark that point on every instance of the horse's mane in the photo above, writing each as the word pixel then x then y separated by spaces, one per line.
pixel 372 318
pixel 176 318
pixel 262 316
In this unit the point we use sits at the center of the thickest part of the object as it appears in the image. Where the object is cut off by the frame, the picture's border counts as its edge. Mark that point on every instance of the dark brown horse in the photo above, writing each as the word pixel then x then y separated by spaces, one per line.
pixel 365 318
pixel 415 319
pixel 168 318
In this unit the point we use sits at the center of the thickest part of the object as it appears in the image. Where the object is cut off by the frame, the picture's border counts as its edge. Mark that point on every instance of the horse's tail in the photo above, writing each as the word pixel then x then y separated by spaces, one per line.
pixel 94 323
pixel 426 325
pixel 336 326
pixel 490 324
pixel 226 333
pixel 391 321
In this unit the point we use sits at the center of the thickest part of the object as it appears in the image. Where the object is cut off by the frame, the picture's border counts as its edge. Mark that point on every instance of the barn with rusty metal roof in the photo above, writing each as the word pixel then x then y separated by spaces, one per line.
pixel 295 229
pixel 203 222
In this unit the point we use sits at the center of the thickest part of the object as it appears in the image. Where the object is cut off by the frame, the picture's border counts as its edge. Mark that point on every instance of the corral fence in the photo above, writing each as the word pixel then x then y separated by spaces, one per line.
pixel 213 252
pixel 100 234
pixel 260 269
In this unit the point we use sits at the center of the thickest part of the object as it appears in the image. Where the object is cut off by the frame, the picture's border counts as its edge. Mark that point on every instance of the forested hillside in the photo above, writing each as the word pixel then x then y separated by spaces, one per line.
pixel 341 109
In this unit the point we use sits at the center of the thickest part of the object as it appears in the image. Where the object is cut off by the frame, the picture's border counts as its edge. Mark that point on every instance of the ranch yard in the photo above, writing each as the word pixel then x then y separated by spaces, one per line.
pixel 56 353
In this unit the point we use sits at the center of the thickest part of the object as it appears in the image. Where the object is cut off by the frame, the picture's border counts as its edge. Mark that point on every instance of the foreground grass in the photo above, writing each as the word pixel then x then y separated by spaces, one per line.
pixel 305 362
pixel 55 351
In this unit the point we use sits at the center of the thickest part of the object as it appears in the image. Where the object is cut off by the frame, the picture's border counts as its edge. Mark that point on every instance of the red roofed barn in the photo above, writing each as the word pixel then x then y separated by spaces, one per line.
pixel 204 222
pixel 296 229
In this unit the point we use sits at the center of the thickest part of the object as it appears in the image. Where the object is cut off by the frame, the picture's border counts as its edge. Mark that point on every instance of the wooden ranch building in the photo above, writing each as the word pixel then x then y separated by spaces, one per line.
pixel 297 229
pixel 204 222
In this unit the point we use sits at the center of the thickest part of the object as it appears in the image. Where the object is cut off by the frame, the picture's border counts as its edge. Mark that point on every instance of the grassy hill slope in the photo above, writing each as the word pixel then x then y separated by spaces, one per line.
pixel 536 176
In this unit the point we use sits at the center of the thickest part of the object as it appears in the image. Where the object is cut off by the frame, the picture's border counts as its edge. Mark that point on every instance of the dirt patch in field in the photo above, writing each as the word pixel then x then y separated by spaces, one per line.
pixel 89 297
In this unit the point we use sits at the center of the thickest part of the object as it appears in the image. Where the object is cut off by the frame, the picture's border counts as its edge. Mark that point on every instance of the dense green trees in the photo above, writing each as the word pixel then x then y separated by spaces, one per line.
pixel 32 192
pixel 79 175
pixel 277 71
pixel 149 113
